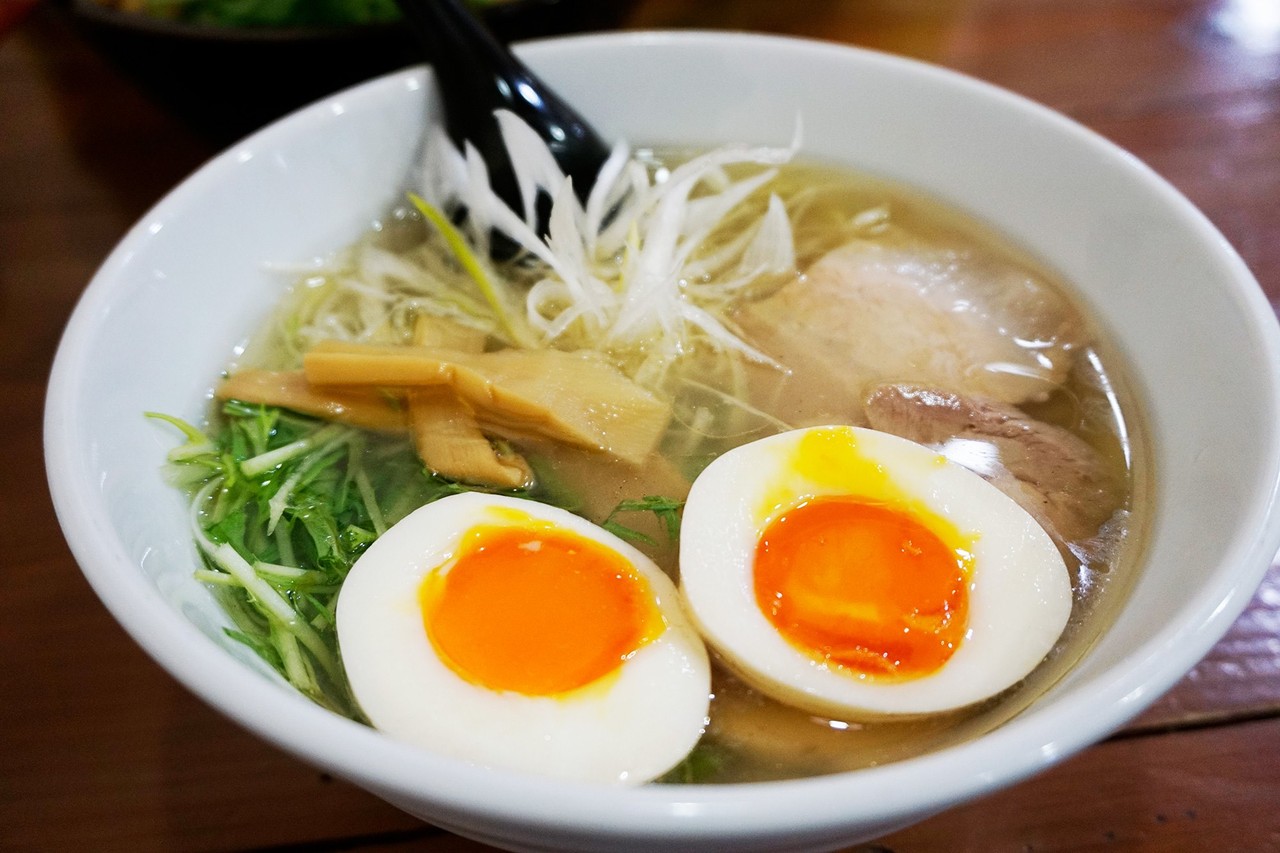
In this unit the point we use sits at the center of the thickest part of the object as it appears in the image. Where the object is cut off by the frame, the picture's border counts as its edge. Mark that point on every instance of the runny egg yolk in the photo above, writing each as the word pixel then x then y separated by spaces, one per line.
pixel 536 611
pixel 863 585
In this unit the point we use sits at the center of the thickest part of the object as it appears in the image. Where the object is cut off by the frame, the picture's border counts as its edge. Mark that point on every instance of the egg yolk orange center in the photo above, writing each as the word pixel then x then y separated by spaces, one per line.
pixel 863 585
pixel 537 612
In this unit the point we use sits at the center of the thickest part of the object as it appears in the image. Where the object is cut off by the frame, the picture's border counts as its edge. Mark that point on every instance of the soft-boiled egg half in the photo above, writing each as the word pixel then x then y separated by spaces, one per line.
pixel 517 635
pixel 857 574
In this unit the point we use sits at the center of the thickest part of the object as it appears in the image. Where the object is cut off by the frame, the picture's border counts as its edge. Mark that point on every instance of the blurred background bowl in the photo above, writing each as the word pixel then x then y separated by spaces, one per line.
pixel 226 81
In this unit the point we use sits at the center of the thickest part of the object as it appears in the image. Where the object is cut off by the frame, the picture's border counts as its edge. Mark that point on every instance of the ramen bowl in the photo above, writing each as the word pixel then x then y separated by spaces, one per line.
pixel 166 310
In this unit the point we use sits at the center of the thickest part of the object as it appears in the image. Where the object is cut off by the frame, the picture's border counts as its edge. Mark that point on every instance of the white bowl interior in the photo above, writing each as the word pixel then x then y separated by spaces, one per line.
pixel 162 317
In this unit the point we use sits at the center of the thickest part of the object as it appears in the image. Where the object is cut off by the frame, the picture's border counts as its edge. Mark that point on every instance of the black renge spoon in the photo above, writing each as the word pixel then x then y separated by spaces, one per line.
pixel 477 75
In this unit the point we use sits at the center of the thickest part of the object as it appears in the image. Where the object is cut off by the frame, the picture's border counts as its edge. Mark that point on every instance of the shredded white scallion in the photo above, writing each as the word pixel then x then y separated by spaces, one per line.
pixel 630 271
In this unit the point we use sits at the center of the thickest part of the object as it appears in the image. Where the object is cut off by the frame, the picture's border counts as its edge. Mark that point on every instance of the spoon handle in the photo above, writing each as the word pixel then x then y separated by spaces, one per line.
pixel 477 75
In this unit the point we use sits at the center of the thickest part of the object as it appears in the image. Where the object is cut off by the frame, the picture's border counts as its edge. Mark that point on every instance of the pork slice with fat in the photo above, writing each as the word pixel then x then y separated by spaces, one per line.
pixel 1061 480
pixel 904 310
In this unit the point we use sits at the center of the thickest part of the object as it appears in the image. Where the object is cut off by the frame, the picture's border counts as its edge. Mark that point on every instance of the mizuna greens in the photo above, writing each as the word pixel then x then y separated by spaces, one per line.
pixel 284 504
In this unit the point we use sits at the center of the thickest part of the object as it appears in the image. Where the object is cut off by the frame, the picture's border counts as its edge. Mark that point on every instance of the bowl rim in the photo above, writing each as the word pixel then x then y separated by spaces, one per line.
pixel 1030 742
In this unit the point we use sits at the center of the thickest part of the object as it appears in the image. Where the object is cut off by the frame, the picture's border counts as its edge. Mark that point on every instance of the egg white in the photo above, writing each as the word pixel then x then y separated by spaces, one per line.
pixel 1019 593
pixel 626 728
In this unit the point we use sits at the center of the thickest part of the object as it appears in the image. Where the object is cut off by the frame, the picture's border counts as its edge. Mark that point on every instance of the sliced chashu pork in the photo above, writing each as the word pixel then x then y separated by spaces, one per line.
pixel 906 311
pixel 1062 481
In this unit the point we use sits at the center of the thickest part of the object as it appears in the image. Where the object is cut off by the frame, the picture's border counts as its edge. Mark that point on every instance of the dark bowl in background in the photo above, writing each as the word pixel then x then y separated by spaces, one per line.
pixel 225 82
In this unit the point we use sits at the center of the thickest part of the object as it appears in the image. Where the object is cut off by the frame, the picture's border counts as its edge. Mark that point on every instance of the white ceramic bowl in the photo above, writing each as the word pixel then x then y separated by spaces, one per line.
pixel 162 315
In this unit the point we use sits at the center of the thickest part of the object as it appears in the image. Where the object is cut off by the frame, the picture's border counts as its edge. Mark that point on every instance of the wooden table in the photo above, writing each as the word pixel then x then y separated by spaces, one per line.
pixel 101 750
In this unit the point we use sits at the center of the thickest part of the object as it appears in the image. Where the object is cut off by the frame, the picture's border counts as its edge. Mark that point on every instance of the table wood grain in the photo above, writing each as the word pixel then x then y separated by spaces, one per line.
pixel 101 750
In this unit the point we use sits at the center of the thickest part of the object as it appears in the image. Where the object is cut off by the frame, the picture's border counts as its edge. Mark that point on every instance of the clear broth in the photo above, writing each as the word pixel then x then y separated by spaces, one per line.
pixel 752 737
